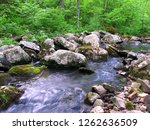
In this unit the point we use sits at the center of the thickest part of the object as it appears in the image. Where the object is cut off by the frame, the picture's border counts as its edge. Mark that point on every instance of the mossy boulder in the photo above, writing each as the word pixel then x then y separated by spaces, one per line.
pixel 92 53
pixel 25 70
pixel 8 95
pixel 4 78
pixel 91 98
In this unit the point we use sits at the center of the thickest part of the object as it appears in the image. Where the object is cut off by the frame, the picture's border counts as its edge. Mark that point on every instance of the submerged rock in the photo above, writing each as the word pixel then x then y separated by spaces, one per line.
pixel 25 70
pixel 85 70
pixel 64 58
pixel 8 94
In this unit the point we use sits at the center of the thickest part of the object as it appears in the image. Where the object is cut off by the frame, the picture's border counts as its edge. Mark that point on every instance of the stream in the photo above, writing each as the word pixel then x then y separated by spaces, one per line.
pixel 63 91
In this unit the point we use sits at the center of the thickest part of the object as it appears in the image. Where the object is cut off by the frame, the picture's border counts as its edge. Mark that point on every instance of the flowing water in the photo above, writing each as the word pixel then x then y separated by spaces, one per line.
pixel 64 90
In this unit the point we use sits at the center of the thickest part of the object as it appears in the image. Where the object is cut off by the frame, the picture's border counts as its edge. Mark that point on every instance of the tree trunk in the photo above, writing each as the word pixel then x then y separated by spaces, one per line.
pixel 62 3
pixel 78 13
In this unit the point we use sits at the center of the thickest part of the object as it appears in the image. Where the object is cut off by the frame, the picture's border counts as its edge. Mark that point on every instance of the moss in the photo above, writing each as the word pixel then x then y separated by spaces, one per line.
pixel 129 105
pixel 4 78
pixel 85 47
pixel 25 70
pixel 8 94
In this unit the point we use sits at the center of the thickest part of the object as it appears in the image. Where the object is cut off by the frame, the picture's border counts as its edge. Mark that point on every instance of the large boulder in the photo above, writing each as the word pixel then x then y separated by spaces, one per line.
pixel 49 43
pixel 92 53
pixel 8 94
pixel 64 58
pixel 62 43
pixel 13 56
pixel 92 40
pixel 111 39
pixel 70 36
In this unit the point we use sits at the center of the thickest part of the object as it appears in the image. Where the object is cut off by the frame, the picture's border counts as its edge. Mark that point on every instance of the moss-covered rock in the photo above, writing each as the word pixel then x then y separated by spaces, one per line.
pixel 9 94
pixel 4 78
pixel 129 105
pixel 25 70
pixel 92 53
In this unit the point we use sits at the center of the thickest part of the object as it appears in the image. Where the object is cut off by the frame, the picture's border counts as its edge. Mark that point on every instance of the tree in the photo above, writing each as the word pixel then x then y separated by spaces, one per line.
pixel 78 13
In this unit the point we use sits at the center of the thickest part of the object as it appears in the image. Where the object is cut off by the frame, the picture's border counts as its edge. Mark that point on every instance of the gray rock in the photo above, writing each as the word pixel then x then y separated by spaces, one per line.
pixel 92 40
pixel 97 109
pixel 145 85
pixel 108 87
pixel 70 36
pixel 110 38
pixel 147 102
pixel 91 97
pixel 119 102
pixel 98 102
pixel 14 56
pixel 62 42
pixel 49 42
pixel 93 53
pixel 29 45
pixel 99 89
pixel 64 58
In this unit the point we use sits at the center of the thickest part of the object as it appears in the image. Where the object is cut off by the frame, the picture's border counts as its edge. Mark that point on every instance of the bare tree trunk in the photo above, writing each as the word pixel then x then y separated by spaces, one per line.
pixel 143 17
pixel 62 3
pixel 78 13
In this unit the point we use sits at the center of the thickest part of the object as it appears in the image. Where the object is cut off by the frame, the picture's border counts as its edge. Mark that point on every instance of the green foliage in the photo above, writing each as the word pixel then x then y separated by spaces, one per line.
pixel 41 19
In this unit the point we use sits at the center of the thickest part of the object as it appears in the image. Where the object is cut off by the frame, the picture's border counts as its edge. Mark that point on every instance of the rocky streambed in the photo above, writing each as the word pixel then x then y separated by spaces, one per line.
pixel 75 73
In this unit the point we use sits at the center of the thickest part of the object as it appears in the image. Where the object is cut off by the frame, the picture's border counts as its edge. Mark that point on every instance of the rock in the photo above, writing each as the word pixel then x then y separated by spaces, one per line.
pixel 110 38
pixel 8 94
pixel 108 87
pixel 99 89
pixel 4 78
pixel 145 85
pixel 29 45
pixel 5 47
pixel 85 70
pixel 98 102
pixel 91 97
pixel 141 67
pixel 147 102
pixel 92 53
pixel 64 58
pixel 134 38
pixel 119 102
pixel 132 55
pixel 143 108
pixel 142 95
pixel 14 56
pixel 133 95
pixel 25 70
pixel 115 52
pixel 129 105
pixel 62 43
pixel 49 43
pixel 70 36
pixel 92 40
pixel 97 109
pixel 119 66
